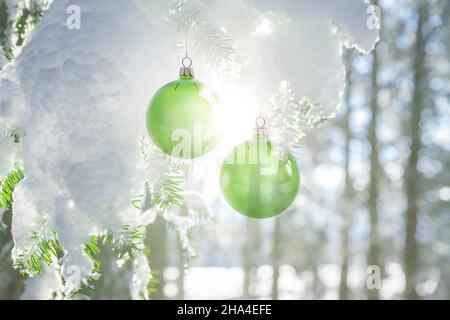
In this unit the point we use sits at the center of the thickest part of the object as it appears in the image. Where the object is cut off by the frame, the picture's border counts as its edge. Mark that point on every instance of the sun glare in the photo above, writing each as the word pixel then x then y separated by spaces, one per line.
pixel 236 117
pixel 264 27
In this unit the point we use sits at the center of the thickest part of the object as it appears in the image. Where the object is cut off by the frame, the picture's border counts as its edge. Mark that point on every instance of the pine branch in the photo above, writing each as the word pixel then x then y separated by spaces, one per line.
pixel 167 180
pixel 20 24
pixel 87 285
pixel 153 283
pixel 30 15
pixel 14 136
pixel 7 187
pixel 129 242
pixel 127 245
pixel 187 220
pixel 309 118
pixel 47 248
pixel 210 41
pixel 170 192
pixel 288 119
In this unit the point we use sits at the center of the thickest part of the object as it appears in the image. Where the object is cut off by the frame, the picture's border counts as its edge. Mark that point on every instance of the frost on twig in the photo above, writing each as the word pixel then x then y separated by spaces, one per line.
pixel 209 39
pixel 288 118
pixel 21 17
pixel 186 220
pixel 142 278
pixel 164 194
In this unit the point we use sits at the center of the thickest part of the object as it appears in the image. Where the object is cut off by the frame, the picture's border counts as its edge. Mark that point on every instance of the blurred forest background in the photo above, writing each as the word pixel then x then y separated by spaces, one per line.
pixel 375 192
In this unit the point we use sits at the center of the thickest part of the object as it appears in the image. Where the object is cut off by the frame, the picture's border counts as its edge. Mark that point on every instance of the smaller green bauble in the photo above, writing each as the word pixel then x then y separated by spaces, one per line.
pixel 256 182
pixel 181 118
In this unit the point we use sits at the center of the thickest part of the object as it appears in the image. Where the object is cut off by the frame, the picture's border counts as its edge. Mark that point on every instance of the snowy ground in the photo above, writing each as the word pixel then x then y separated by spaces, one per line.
pixel 226 283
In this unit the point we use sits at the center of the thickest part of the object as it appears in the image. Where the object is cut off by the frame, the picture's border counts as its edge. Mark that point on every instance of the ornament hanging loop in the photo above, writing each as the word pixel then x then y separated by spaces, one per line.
pixel 260 129
pixel 260 122
pixel 186 62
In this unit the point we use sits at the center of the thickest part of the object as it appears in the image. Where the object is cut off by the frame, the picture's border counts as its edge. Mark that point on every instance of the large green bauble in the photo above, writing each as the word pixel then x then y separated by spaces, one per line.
pixel 256 182
pixel 181 118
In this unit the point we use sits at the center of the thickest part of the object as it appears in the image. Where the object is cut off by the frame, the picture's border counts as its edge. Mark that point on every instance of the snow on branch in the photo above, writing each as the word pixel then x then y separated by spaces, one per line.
pixel 210 40
pixel 288 118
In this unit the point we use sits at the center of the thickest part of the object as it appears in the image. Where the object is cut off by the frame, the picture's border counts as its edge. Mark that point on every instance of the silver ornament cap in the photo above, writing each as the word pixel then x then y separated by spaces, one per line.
pixel 186 70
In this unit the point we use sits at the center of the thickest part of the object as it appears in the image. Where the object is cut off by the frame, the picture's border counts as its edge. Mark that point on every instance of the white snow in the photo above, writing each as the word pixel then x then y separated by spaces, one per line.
pixel 45 287
pixel 85 94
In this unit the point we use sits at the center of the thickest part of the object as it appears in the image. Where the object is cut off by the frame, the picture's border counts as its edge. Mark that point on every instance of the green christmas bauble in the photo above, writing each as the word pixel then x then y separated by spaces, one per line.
pixel 181 118
pixel 256 182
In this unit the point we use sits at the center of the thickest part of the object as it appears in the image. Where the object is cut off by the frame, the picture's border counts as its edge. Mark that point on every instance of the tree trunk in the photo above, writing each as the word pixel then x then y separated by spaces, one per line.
pixel 114 283
pixel 275 257
pixel 412 175
pixel 180 279
pixel 249 254
pixel 11 286
pixel 345 208
pixel 156 240
pixel 318 288
pixel 372 203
